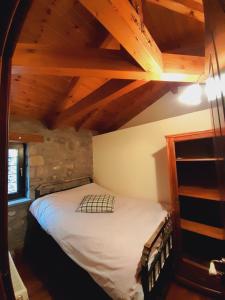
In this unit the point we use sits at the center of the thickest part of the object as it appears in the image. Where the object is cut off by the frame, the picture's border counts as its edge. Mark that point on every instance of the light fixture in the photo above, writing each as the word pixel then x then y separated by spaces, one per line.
pixel 222 83
pixel 210 89
pixel 173 76
pixel 191 95
pixel 213 88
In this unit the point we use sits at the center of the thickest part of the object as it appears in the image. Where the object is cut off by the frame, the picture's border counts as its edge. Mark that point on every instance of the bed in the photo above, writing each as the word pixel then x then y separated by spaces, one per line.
pixel 123 252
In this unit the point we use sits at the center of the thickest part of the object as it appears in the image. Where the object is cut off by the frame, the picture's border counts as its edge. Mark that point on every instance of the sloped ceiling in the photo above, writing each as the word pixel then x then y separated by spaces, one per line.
pixel 85 64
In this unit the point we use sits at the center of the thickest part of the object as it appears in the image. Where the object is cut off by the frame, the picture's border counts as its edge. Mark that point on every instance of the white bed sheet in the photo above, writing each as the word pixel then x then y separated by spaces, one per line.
pixel 107 245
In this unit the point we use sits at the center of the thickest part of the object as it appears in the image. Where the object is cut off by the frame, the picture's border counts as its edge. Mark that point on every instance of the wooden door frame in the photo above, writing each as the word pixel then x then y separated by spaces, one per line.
pixel 12 15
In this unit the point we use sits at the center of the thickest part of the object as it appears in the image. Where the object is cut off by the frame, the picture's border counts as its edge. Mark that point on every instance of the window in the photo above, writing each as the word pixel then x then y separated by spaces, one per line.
pixel 16 171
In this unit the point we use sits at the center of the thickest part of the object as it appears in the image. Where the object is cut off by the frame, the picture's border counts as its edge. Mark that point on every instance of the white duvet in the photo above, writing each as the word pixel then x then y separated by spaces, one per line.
pixel 107 245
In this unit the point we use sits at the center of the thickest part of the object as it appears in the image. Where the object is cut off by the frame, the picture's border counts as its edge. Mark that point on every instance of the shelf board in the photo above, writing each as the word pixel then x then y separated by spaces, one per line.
pixel 199 192
pixel 196 263
pixel 211 231
pixel 198 159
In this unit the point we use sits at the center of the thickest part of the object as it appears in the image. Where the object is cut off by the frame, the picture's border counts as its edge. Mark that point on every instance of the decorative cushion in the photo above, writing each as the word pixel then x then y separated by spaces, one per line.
pixel 97 204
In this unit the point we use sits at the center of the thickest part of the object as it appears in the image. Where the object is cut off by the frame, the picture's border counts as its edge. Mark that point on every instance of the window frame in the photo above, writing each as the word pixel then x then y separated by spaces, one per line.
pixel 21 171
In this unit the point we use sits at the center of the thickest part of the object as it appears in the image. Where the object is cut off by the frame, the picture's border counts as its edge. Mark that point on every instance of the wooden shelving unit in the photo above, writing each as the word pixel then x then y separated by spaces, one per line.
pixel 199 159
pixel 196 200
pixel 211 231
pixel 199 192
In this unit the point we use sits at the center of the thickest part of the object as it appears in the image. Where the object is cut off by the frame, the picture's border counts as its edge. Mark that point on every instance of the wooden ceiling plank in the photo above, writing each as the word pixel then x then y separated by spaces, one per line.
pixel 87 122
pixel 180 8
pixel 123 22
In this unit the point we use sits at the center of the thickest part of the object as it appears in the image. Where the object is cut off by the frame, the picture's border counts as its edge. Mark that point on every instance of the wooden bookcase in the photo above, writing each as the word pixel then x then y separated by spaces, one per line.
pixel 197 209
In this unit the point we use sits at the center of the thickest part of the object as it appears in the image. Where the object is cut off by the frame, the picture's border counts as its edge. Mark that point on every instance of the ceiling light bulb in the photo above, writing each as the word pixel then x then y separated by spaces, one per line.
pixel 191 95
pixel 210 89
pixel 173 76
pixel 222 83
pixel 213 88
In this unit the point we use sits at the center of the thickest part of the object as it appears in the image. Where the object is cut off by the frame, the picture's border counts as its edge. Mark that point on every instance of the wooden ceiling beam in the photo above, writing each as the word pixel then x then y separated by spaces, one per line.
pixel 100 63
pixel 108 43
pixel 87 122
pixel 78 89
pixel 103 63
pixel 100 97
pixel 198 1
pixel 180 8
pixel 25 137
pixel 123 22
pixel 130 106
pixel 178 65
pixel 138 6
pixel 74 93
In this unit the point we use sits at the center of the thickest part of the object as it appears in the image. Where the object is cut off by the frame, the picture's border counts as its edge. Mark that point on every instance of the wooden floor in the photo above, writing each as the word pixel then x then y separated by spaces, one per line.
pixel 37 291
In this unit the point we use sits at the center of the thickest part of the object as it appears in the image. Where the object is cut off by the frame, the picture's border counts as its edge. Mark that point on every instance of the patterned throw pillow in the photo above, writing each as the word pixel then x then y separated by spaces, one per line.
pixel 97 204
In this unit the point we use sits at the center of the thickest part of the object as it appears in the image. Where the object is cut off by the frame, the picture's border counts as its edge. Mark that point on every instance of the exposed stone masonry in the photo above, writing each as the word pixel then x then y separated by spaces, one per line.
pixel 65 154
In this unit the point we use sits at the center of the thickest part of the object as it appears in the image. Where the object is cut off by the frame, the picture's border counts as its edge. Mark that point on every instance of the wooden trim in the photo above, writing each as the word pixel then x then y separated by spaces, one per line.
pixel 211 231
pixel 174 203
pixel 199 192
pixel 25 137
pixel 191 135
pixel 180 8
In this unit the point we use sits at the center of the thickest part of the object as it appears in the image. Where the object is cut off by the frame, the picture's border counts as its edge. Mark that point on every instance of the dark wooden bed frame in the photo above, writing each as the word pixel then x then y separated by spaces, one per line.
pixel 68 281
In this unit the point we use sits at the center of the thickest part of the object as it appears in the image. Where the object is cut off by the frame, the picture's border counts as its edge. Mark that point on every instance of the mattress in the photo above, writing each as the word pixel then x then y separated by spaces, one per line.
pixel 107 245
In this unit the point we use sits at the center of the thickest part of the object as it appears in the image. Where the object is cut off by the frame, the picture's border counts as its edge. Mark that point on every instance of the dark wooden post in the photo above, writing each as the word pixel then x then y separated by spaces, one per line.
pixel 12 13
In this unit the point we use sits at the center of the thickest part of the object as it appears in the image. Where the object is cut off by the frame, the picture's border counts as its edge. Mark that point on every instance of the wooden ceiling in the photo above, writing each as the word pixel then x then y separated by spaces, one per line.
pixel 96 64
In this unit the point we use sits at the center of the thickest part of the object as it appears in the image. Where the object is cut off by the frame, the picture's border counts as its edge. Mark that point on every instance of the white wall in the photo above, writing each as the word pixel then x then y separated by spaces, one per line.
pixel 166 107
pixel 133 161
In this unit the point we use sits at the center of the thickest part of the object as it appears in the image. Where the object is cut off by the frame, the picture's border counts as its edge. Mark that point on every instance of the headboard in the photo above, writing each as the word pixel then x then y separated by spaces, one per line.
pixel 53 187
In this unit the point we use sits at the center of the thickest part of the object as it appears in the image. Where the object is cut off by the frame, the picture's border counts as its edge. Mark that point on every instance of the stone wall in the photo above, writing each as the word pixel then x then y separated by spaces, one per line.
pixel 17 224
pixel 65 154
